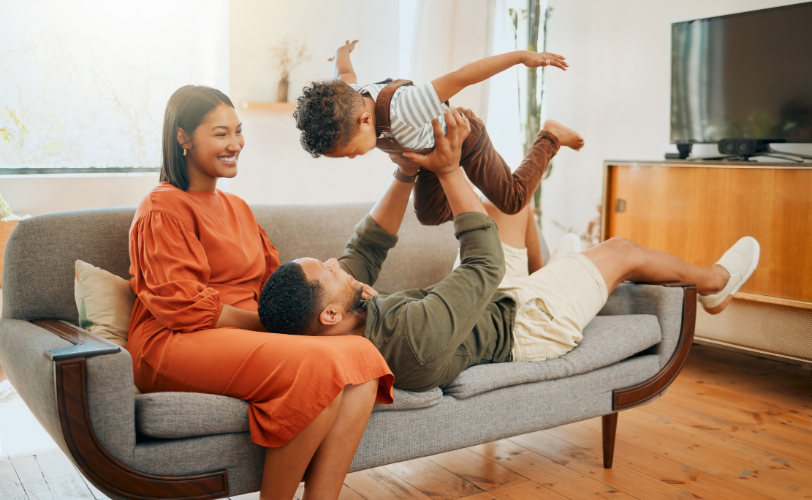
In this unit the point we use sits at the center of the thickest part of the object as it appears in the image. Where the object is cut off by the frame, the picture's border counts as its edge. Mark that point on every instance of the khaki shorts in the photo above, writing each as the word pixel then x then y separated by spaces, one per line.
pixel 555 304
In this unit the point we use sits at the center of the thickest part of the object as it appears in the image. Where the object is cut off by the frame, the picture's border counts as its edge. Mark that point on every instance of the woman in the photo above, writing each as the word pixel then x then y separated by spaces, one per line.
pixel 198 263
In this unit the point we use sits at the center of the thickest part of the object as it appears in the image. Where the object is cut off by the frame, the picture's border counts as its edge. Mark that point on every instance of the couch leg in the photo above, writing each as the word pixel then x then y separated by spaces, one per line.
pixel 609 427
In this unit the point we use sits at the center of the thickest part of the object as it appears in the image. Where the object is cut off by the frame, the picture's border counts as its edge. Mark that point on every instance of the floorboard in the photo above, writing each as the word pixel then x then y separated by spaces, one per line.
pixel 732 426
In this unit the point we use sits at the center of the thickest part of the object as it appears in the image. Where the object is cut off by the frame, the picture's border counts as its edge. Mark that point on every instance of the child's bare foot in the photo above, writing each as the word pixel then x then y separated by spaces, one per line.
pixel 566 135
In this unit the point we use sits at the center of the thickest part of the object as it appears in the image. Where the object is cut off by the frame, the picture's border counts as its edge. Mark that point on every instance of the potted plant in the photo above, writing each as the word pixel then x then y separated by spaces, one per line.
pixel 288 54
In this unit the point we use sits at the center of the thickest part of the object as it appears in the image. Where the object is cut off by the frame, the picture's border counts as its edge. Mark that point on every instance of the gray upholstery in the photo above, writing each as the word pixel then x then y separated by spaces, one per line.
pixel 663 302
pixel 607 340
pixel 485 404
pixel 456 423
pixel 171 415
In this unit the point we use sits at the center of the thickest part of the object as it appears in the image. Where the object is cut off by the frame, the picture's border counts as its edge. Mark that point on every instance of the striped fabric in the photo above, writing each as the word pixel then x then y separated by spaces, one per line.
pixel 412 109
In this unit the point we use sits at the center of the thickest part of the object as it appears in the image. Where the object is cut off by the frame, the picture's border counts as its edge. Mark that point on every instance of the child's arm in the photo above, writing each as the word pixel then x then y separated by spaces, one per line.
pixel 449 85
pixel 343 66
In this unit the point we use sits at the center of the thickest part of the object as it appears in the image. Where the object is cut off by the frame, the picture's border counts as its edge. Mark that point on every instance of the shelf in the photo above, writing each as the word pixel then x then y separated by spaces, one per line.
pixel 773 300
pixel 268 106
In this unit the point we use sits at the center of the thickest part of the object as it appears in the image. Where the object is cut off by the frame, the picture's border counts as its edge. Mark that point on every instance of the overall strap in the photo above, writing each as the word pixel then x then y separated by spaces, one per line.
pixel 382 125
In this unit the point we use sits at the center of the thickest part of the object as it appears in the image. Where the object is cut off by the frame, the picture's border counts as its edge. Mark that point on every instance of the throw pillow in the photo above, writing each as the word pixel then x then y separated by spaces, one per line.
pixel 104 301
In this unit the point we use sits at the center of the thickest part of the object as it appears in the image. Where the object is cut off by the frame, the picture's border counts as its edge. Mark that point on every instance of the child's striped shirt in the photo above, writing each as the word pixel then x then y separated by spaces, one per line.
pixel 410 112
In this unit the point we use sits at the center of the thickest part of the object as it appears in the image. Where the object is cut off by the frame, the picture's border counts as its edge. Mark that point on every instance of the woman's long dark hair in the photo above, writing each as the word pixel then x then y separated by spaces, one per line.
pixel 186 109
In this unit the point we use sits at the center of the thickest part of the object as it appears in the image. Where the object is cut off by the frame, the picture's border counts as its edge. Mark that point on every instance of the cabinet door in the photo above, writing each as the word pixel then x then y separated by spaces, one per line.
pixel 698 212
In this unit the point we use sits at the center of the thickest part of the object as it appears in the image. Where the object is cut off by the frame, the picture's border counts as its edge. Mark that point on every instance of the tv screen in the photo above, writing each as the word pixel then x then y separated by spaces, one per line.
pixel 745 75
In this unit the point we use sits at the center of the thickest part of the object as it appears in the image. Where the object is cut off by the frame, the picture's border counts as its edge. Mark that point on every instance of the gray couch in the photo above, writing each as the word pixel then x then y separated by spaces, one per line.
pixel 182 445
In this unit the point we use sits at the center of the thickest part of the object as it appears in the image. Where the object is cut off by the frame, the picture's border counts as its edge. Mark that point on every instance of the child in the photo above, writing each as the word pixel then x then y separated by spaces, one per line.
pixel 340 118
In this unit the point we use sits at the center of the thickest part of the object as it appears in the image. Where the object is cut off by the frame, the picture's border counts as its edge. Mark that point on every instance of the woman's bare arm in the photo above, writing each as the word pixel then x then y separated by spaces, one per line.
pixel 231 317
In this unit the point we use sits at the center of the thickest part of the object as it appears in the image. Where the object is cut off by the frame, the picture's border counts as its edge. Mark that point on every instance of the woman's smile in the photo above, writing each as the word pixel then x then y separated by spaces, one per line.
pixel 231 161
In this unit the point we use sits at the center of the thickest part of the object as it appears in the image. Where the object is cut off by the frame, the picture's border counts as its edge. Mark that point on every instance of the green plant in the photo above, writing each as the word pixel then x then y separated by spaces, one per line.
pixel 534 90
pixel 5 210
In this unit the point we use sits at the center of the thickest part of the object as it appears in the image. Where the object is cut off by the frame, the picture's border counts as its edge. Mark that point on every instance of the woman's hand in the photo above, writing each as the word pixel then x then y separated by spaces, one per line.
pixel 540 59
pixel 349 47
pixel 445 157
pixel 368 292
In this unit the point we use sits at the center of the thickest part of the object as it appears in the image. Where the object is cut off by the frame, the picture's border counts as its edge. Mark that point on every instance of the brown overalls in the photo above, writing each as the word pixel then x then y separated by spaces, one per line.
pixel 509 192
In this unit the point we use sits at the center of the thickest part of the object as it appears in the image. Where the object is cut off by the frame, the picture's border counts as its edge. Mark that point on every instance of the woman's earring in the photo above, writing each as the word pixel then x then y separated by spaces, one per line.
pixel 184 152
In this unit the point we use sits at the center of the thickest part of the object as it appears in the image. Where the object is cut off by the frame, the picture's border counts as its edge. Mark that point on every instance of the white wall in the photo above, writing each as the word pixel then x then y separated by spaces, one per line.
pixel 273 168
pixel 616 92
pixel 37 195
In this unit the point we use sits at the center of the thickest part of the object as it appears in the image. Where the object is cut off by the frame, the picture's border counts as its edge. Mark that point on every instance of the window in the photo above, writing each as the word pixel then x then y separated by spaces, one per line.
pixel 84 84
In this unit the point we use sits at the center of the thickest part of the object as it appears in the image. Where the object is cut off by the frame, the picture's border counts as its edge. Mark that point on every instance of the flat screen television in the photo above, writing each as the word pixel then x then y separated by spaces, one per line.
pixel 745 75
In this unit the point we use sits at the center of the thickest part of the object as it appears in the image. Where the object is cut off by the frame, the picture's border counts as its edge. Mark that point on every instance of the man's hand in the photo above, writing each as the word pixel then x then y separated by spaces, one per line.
pixel 445 157
pixel 405 165
pixel 540 59
pixel 368 292
pixel 349 47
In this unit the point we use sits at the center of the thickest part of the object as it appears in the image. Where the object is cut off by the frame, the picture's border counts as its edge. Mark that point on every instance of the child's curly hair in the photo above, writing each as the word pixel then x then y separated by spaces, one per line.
pixel 327 113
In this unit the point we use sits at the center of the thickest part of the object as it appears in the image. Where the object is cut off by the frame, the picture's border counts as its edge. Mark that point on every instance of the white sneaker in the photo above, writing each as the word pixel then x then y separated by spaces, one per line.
pixel 739 261
pixel 569 243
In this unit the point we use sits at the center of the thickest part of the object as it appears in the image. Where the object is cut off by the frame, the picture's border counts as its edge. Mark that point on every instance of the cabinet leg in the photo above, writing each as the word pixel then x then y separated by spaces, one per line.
pixel 609 429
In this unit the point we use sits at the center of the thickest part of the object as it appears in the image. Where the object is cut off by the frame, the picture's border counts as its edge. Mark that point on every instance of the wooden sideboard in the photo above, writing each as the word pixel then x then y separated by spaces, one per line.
pixel 698 210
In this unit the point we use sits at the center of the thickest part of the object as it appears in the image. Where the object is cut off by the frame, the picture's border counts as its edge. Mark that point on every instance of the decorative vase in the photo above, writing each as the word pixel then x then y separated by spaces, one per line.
pixel 282 93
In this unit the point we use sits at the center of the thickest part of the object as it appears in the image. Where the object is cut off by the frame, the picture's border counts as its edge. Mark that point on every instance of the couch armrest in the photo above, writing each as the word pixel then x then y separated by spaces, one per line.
pixel 26 350
pixel 84 343
pixel 674 305
pixel 82 392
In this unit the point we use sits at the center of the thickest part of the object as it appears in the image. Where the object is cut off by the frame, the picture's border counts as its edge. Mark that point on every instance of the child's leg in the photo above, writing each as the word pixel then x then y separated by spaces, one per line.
pixel 509 192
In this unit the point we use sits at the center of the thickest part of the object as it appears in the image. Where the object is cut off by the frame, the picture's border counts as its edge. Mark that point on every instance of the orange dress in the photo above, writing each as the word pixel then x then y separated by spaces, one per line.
pixel 190 253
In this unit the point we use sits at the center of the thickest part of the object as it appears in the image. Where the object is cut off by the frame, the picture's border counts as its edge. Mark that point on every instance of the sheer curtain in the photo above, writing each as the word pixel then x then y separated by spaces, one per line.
pixel 451 33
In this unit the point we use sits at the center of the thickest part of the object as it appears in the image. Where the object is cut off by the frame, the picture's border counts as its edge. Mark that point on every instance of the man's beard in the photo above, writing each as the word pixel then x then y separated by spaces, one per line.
pixel 355 300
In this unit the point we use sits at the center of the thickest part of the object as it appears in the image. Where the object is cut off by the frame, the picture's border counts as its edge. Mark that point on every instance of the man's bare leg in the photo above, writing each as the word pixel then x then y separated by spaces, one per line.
pixel 620 259
pixel 518 231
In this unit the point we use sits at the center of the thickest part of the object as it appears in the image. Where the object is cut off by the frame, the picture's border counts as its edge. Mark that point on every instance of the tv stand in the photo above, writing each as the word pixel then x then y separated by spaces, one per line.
pixel 768 152
pixel 697 210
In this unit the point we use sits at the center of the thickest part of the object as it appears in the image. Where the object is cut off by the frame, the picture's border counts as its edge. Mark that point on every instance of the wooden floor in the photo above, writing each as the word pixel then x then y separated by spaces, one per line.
pixel 732 426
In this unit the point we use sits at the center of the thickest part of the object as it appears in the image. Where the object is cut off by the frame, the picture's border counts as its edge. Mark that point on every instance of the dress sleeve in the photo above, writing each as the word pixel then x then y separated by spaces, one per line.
pixel 172 274
pixel 271 255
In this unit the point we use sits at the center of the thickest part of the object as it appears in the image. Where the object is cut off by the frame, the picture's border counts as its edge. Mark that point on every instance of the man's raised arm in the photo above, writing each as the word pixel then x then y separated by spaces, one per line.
pixel 366 250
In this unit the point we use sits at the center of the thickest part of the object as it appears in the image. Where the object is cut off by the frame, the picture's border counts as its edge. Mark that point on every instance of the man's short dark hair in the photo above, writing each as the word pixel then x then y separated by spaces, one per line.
pixel 327 114
pixel 289 303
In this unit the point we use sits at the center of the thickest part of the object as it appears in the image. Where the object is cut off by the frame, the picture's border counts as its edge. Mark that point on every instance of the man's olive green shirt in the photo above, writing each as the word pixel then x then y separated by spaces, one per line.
pixel 429 336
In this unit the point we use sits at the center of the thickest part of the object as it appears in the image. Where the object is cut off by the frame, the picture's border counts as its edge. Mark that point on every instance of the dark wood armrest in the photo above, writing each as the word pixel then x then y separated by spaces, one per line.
pixel 85 344
pixel 630 397
pixel 97 465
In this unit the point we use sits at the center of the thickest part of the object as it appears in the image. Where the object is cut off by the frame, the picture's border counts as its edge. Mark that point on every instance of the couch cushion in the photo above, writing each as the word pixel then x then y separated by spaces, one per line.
pixel 607 340
pixel 172 415
pixel 104 301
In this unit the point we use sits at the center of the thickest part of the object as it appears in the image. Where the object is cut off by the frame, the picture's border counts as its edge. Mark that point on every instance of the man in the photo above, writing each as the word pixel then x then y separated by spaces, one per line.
pixel 429 336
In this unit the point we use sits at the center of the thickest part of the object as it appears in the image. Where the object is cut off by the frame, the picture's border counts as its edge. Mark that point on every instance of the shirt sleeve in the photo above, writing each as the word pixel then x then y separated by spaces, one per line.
pixel 271 255
pixel 417 106
pixel 366 251
pixel 456 303
pixel 172 274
